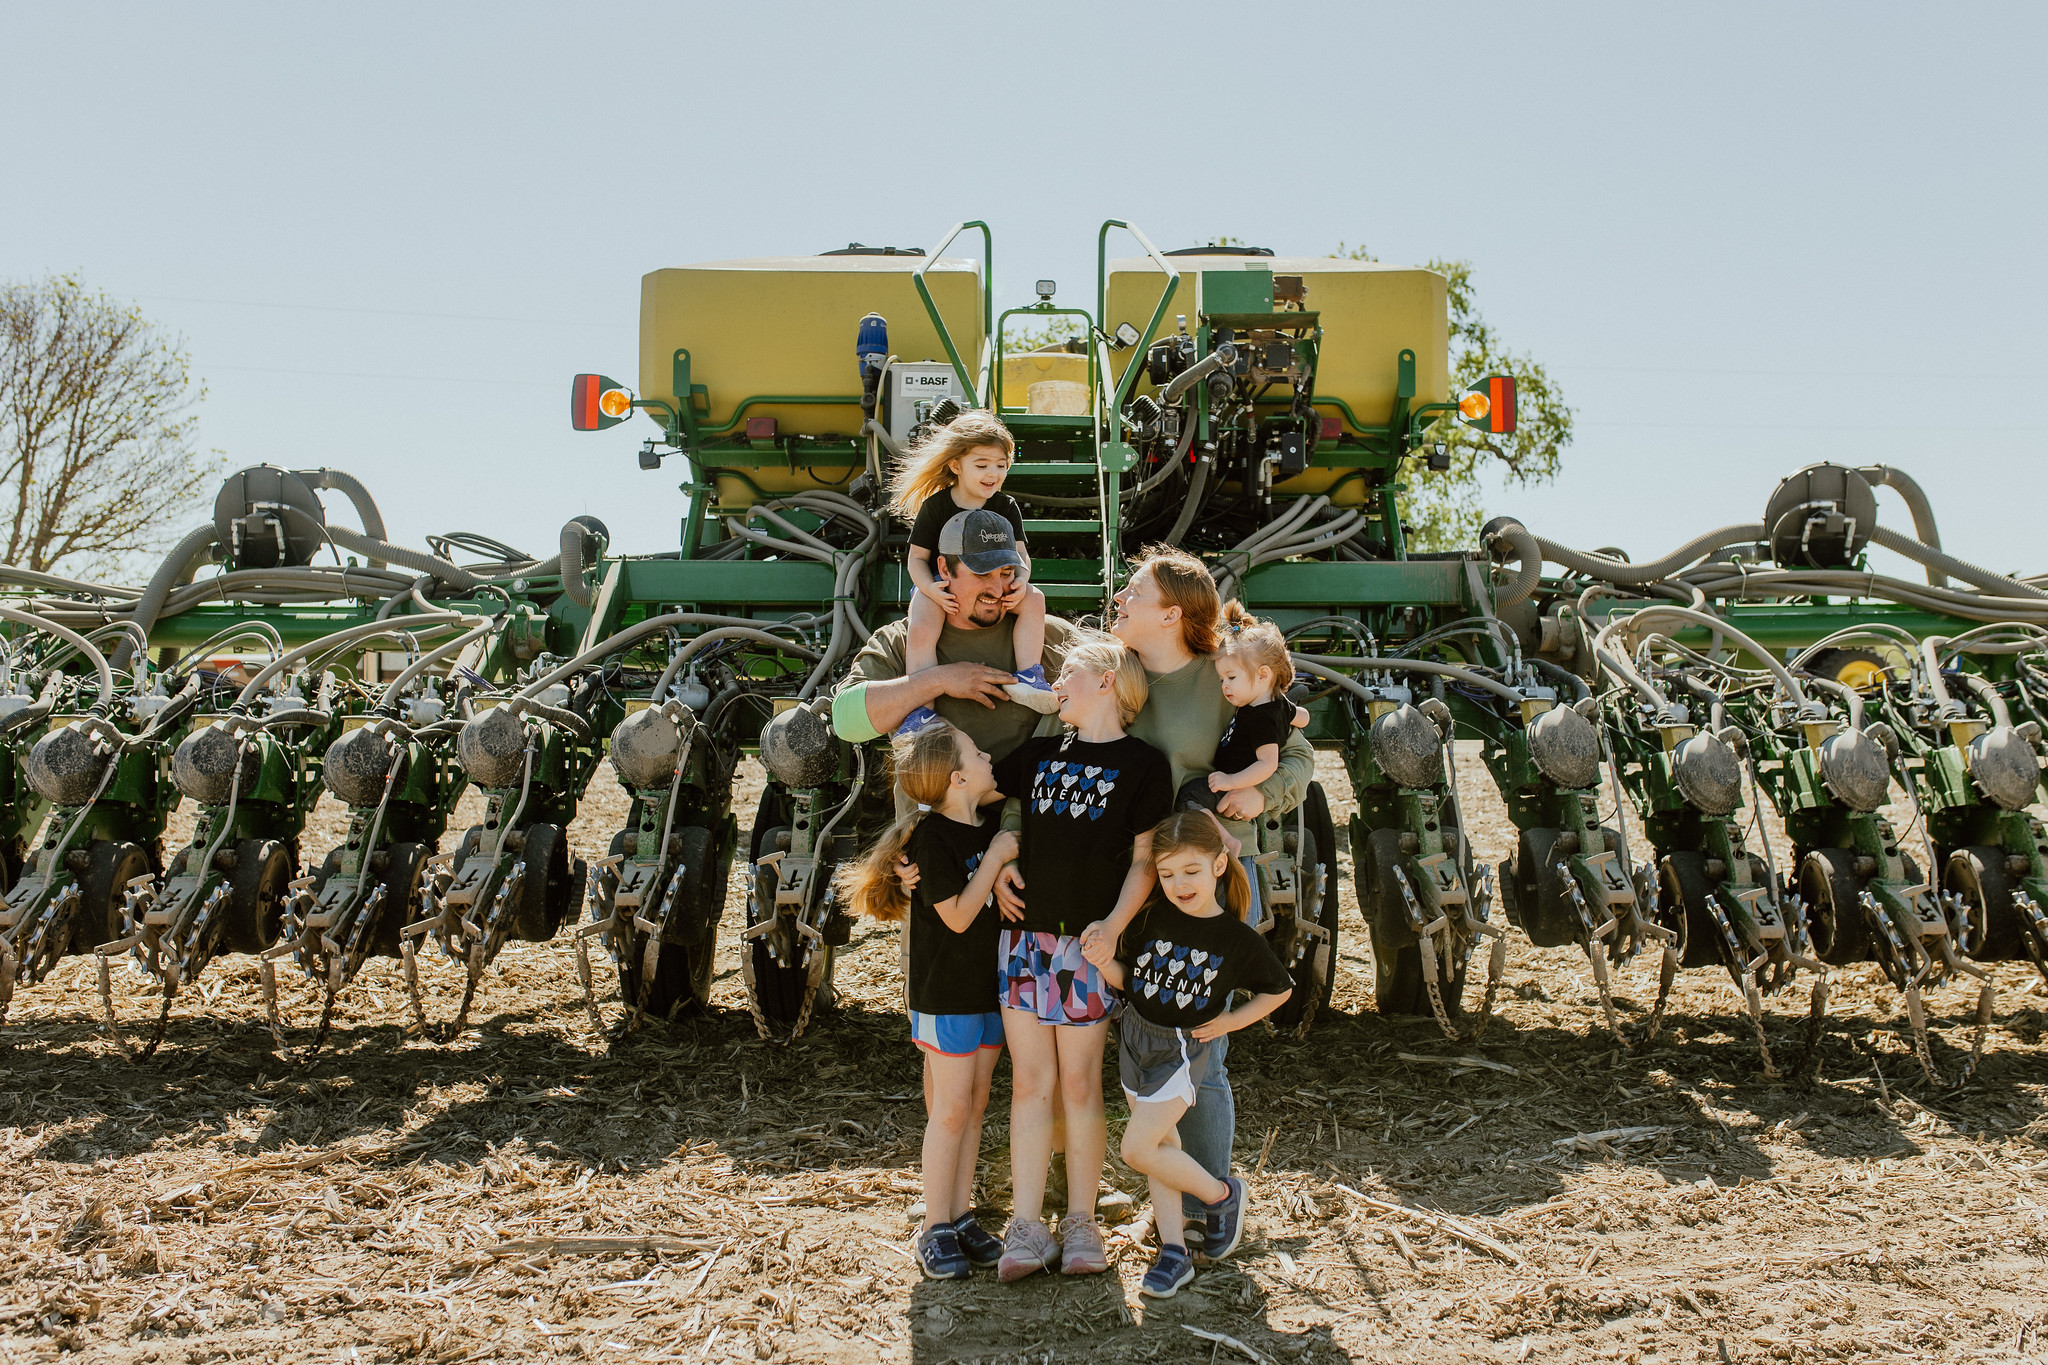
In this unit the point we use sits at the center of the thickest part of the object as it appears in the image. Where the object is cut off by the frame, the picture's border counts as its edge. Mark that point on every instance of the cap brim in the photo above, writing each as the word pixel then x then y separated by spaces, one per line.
pixel 988 561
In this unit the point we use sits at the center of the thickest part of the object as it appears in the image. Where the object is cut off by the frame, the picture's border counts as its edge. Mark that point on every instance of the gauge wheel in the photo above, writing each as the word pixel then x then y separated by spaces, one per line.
pixel 1834 913
pixel 1398 986
pixel 1992 930
pixel 263 873
pixel 111 866
pixel 1316 902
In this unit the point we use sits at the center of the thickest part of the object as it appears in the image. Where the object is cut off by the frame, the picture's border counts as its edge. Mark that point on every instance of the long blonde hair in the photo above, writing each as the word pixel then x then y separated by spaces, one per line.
pixel 1199 832
pixel 925 762
pixel 927 467
pixel 1184 582
pixel 1100 652
pixel 1259 644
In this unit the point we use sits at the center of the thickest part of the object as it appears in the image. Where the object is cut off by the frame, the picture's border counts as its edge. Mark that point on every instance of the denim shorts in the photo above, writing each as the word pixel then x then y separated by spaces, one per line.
pixel 1045 975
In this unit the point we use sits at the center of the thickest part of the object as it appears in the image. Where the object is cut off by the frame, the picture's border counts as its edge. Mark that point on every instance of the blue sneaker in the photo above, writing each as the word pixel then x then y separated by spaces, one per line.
pixel 1032 690
pixel 981 1248
pixel 938 1251
pixel 1225 1219
pixel 1171 1273
pixel 917 720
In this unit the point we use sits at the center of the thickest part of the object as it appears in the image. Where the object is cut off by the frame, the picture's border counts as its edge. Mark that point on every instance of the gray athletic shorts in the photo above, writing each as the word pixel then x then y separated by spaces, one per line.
pixel 1157 1063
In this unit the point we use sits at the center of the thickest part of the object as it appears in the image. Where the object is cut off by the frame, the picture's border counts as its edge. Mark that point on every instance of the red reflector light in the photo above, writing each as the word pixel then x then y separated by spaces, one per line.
pixel 1332 429
pixel 760 428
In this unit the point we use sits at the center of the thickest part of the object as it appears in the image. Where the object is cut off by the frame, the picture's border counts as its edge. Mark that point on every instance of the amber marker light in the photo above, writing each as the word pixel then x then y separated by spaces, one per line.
pixel 615 403
pixel 1474 406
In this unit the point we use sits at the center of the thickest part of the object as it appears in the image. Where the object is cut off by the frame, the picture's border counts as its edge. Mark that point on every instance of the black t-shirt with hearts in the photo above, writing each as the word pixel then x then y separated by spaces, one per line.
pixel 1179 969
pixel 951 971
pixel 1083 805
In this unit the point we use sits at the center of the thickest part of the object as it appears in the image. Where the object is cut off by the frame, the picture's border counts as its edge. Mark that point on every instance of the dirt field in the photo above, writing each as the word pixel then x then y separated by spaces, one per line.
pixel 699 1194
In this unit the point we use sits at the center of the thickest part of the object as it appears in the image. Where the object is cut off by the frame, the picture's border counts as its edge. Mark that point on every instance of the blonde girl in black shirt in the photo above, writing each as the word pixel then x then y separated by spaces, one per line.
pixel 958 849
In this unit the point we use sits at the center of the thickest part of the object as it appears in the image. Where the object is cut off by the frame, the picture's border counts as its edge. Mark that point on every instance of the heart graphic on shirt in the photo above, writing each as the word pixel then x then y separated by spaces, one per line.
pixel 1095 812
pixel 1044 806
pixel 1181 998
pixel 1151 989
pixel 1144 958
pixel 1174 967
pixel 1111 773
pixel 1105 787
pixel 1161 947
pixel 1198 957
pixel 1059 808
pixel 1091 771
pixel 1209 975
pixel 1069 780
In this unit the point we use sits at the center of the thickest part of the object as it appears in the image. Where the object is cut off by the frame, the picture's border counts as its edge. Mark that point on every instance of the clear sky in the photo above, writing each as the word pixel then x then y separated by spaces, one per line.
pixel 1744 238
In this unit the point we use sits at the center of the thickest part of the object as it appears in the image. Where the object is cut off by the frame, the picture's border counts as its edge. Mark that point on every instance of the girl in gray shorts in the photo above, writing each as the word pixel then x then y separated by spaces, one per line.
pixel 1176 967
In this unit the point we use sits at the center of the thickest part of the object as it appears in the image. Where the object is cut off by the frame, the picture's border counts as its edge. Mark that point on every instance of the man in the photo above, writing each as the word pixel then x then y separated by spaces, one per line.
pixel 978 562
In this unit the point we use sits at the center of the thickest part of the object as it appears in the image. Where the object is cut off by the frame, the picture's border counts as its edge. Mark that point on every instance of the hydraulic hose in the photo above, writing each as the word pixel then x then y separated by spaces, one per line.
pixel 574 561
pixel 382 551
pixel 1988 694
pixel 76 641
pixel 1522 547
pixel 396 687
pixel 348 484
pixel 693 645
pixel 1659 611
pixel 640 630
pixel 1917 504
pixel 1847 694
pixel 1198 484
pixel 1961 568
pixel 1321 666
pixel 177 567
pixel 1226 354
pixel 1631 575
pixel 1559 673
pixel 339 638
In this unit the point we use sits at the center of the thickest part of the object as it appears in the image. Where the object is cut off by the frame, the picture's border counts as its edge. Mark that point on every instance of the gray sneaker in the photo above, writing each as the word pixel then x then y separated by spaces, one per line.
pixel 1081 1249
pixel 1028 1247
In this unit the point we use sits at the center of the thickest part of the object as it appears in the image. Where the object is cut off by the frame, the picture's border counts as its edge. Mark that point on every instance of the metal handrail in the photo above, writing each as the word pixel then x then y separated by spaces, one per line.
pixel 1113 418
pixel 931 308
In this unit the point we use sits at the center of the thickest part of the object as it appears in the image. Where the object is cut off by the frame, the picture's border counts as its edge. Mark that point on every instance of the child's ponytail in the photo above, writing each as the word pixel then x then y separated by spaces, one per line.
pixel 925 764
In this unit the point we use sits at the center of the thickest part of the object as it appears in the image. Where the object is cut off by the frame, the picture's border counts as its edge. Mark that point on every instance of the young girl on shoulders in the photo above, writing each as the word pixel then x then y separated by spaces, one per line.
pixel 1255 670
pixel 961 467
pixel 958 849
pixel 1176 966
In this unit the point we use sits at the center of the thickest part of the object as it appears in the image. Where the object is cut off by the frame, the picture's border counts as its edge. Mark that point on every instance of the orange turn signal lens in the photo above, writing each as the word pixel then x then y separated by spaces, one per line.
pixel 615 403
pixel 1472 406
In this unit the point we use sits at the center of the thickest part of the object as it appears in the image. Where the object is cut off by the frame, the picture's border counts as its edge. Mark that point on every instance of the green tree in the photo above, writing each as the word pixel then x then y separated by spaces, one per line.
pixel 97 429
pixel 1441 508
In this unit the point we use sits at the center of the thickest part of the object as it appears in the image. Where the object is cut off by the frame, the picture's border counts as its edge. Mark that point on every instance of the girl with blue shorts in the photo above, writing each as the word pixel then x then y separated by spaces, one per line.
pixel 954 1015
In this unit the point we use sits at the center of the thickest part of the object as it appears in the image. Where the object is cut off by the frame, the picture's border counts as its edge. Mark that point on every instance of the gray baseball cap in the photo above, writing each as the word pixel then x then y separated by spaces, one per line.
pixel 981 540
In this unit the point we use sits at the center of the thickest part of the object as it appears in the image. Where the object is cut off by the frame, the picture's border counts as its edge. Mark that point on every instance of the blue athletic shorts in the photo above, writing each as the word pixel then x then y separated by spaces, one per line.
pixel 956 1035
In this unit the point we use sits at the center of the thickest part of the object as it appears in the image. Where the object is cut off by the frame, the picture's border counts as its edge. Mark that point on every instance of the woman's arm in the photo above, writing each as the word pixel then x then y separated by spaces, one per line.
pixel 1267 763
pixel 1253 1010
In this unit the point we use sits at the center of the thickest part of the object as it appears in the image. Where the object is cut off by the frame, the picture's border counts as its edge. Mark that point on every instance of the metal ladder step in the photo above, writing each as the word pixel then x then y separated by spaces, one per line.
pixel 1034 527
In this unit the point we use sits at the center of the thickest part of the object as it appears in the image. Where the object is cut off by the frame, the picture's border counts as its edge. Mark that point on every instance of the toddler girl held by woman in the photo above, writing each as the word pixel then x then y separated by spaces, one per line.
pixel 954 1018
pixel 960 467
pixel 1254 667
pixel 1177 965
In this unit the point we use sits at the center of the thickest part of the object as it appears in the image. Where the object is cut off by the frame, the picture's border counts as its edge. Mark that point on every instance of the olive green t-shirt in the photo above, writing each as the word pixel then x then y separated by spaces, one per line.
pixel 996 731
pixel 1185 716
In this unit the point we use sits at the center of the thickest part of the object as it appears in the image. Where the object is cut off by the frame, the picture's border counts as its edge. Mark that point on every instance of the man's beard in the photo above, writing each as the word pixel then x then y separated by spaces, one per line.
pixel 986 611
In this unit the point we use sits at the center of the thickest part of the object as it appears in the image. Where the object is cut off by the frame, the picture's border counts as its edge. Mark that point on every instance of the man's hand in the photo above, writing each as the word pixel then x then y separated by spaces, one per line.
pixel 972 682
pixel 907 873
pixel 1242 805
pixel 1009 888
pixel 938 592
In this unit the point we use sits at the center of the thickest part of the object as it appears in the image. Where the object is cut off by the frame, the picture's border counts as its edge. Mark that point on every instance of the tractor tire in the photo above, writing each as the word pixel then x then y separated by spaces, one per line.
pixel 1861 669
pixel 552 884
pixel 1682 894
pixel 682 972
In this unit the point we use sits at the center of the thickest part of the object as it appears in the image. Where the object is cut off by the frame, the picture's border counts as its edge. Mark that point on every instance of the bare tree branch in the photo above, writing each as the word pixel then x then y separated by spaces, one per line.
pixel 96 429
